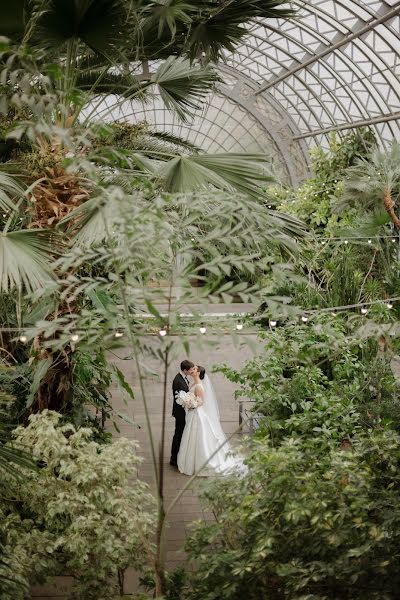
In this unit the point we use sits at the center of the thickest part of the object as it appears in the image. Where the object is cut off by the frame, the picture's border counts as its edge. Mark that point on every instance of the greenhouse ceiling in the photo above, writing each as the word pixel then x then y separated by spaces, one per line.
pixel 292 82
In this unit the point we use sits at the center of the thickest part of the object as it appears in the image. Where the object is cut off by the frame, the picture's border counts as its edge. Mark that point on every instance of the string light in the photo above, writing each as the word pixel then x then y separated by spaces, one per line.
pixel 369 241
pixel 337 238
pixel 333 310
pixel 346 241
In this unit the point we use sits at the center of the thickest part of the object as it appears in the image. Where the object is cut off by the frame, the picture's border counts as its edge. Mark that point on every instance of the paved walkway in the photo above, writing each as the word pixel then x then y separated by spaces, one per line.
pixel 188 508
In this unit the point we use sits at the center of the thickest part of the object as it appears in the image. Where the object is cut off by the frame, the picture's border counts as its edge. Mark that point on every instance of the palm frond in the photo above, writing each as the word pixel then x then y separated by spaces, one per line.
pixel 194 28
pixel 25 259
pixel 162 17
pixel 225 26
pixel 173 140
pixel 182 86
pixel 100 25
pixel 91 219
pixel 366 182
pixel 9 189
pixel 231 172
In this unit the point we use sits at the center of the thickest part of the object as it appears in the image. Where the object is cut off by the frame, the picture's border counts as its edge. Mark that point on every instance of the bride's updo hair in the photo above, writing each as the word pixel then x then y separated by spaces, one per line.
pixel 202 371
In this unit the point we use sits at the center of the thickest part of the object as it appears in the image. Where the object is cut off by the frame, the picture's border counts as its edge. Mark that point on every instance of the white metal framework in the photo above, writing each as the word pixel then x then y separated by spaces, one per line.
pixel 292 82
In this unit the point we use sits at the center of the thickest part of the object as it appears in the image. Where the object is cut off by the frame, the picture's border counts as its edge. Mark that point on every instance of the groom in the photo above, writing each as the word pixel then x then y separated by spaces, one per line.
pixel 180 383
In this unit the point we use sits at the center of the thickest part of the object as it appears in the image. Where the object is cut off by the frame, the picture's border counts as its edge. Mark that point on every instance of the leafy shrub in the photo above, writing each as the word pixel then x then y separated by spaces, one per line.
pixel 84 512
pixel 312 520
pixel 312 202
pixel 304 367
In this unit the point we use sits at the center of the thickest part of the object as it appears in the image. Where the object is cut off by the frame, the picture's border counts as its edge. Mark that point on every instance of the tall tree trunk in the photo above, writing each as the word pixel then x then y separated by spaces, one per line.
pixel 389 206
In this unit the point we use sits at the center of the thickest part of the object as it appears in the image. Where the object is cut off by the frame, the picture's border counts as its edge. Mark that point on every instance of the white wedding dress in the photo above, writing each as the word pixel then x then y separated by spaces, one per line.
pixel 203 437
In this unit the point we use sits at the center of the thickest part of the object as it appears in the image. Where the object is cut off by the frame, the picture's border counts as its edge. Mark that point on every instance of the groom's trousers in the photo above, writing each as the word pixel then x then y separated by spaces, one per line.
pixel 176 440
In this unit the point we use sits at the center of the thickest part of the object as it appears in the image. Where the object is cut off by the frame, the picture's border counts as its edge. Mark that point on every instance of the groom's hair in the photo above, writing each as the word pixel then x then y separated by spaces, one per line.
pixel 186 365
pixel 202 371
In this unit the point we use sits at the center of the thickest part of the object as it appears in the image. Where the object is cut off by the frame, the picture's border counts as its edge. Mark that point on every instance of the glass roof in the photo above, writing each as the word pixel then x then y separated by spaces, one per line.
pixel 291 82
pixel 319 76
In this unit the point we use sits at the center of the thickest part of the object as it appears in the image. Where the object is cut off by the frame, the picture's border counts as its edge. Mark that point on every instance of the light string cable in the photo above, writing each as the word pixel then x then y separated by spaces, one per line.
pixel 237 318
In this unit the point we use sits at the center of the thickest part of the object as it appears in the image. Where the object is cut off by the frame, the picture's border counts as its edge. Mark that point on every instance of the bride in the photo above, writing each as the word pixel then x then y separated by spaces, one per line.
pixel 203 434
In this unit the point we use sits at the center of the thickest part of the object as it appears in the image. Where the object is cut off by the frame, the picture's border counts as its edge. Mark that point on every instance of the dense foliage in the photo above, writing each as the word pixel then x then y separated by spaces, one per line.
pixel 102 221
pixel 311 520
pixel 82 510
pixel 316 517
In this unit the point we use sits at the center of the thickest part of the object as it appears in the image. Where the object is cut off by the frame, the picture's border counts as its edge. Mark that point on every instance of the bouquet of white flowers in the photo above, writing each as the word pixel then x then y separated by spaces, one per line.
pixel 186 399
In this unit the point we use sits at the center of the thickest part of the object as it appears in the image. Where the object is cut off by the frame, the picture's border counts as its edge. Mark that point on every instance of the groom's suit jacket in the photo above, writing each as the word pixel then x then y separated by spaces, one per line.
pixel 179 384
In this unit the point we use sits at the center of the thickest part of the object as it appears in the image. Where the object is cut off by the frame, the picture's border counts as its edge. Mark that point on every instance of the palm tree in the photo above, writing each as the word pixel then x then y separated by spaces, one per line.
pixel 374 183
pixel 86 49
pixel 70 56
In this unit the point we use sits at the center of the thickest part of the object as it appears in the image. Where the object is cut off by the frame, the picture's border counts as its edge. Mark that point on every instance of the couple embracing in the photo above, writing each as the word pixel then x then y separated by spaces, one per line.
pixel 198 437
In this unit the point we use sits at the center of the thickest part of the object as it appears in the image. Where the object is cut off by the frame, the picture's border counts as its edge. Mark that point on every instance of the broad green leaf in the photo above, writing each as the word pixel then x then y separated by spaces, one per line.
pixel 25 259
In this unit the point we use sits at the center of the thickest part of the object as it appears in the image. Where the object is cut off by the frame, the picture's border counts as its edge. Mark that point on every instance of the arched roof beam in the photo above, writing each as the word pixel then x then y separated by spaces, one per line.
pixel 345 39
pixel 354 125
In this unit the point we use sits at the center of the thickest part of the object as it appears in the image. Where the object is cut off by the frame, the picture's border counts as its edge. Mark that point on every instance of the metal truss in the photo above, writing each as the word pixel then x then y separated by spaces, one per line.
pixel 334 67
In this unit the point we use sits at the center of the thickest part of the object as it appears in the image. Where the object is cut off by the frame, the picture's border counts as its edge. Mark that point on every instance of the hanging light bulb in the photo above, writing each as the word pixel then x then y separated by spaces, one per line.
pixel 272 323
pixel 239 326
pixel 364 310
pixel 346 241
pixel 119 334
pixel 163 332
pixel 23 339
pixel 369 241
pixel 334 313
pixel 74 337
pixel 323 242
pixel 304 318
pixel 203 329
pixel 393 240
pixel 389 305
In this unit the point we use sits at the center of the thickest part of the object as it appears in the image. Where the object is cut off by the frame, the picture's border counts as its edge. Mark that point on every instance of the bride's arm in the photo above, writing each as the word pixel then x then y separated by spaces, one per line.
pixel 199 395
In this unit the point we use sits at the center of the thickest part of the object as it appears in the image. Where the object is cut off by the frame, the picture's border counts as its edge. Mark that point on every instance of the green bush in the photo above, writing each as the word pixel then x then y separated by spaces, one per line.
pixel 304 367
pixel 312 520
pixel 84 512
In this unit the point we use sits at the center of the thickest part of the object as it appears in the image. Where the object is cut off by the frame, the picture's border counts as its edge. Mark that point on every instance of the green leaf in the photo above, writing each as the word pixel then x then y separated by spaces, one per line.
pixel 9 189
pixel 25 259
pixel 123 383
pixel 41 370
pixel 229 172
pixel 126 418
pixel 183 86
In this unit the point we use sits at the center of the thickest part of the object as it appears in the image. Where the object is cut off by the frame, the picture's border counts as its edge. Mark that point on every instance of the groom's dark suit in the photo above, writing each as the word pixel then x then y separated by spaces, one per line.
pixel 179 384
